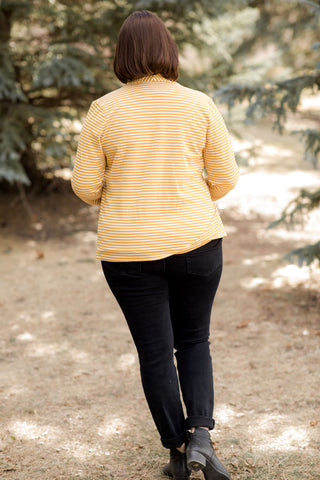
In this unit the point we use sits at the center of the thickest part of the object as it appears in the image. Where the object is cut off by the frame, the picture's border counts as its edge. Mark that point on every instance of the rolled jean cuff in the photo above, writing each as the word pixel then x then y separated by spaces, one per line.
pixel 174 442
pixel 198 421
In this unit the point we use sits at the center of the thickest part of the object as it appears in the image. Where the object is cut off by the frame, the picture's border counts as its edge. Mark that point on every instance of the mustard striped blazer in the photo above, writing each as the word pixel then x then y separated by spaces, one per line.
pixel 141 158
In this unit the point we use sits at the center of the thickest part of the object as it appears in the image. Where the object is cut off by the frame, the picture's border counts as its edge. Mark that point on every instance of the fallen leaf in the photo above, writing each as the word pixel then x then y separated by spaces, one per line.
pixel 39 254
pixel 243 324
pixel 20 299
pixel 314 423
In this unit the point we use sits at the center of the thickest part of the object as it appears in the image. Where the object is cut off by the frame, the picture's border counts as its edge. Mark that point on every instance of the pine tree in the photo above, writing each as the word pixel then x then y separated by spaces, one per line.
pixel 56 57
pixel 278 96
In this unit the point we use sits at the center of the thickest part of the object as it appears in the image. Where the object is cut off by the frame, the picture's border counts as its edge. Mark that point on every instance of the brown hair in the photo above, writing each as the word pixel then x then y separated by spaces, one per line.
pixel 145 47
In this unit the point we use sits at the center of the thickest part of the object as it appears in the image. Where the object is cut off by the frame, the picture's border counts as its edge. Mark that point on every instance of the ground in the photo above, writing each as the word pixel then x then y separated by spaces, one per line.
pixel 72 406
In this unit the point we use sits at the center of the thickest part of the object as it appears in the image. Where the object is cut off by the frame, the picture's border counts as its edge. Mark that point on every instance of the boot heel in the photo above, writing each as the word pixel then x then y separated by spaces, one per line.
pixel 196 461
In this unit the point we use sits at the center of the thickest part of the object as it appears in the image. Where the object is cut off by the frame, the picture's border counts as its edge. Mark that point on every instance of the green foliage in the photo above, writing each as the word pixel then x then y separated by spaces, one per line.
pixel 215 45
pixel 278 96
pixel 311 139
pixel 11 147
pixel 298 208
pixel 56 57
pixel 305 255
pixel 9 88
pixel 61 71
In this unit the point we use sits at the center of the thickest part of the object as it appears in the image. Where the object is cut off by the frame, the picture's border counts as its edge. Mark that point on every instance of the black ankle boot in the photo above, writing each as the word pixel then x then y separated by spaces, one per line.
pixel 201 456
pixel 177 467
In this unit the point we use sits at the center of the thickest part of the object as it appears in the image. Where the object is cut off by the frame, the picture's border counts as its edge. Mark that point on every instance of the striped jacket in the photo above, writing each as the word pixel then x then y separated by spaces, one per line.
pixel 141 158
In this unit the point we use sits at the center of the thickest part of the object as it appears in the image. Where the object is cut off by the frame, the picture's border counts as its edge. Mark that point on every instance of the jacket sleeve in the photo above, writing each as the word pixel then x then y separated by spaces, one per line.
pixel 87 178
pixel 218 155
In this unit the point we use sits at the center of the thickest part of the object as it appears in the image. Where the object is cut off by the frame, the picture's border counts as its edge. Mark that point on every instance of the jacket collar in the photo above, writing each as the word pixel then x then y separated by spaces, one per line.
pixel 150 79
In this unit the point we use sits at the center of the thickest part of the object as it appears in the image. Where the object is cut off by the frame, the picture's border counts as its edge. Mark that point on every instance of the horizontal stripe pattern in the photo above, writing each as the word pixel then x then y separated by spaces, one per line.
pixel 141 158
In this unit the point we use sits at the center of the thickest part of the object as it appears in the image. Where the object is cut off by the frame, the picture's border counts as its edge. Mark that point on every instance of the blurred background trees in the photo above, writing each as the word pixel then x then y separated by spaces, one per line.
pixel 288 36
pixel 56 57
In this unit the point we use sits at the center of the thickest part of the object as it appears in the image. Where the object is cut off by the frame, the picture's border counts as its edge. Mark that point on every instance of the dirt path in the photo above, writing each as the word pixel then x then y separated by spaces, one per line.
pixel 71 402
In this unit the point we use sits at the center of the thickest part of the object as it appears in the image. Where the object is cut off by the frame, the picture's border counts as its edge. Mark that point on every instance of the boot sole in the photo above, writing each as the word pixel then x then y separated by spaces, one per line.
pixel 196 461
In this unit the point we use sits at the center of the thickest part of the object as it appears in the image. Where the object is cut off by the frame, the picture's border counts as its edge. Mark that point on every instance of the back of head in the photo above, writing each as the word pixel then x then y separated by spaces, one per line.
pixel 145 47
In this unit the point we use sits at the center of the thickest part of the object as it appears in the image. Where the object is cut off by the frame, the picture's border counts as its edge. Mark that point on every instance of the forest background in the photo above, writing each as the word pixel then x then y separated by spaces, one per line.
pixel 259 60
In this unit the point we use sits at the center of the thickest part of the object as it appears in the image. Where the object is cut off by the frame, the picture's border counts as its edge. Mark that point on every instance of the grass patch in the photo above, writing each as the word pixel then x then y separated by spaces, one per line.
pixel 277 466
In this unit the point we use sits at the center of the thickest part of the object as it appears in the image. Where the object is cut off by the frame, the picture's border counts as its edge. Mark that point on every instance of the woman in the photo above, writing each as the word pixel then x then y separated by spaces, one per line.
pixel 141 157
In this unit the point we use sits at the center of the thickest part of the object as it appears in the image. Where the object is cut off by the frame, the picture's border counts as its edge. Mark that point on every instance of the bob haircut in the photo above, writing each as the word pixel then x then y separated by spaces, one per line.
pixel 145 47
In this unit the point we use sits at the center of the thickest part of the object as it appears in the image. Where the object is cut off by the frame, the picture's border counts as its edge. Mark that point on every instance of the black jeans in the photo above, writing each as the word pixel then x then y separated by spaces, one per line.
pixel 167 304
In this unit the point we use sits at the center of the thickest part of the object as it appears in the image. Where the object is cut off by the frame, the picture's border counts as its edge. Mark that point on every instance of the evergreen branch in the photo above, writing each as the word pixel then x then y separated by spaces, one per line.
pixel 312 4
pixel 73 99
pixel 304 255
pixel 298 207
pixel 276 97
pixel 311 139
